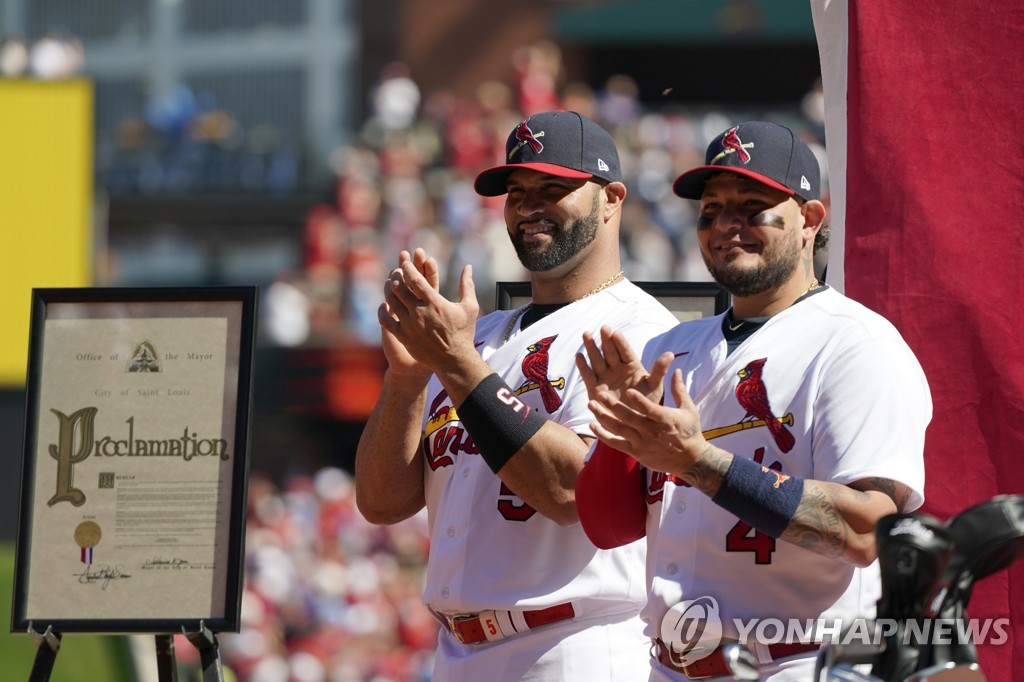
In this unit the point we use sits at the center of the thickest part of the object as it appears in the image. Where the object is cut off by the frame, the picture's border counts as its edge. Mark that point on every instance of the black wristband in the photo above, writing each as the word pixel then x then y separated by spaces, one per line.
pixel 498 421
pixel 762 497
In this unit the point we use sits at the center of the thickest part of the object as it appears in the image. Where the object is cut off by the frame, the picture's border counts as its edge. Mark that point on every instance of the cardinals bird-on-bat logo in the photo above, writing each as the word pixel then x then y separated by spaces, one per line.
pixel 753 397
pixel 732 141
pixel 535 369
pixel 527 136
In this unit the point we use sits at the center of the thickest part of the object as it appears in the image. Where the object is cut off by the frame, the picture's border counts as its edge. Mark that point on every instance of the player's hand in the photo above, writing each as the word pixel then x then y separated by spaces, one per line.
pixel 666 439
pixel 615 367
pixel 401 362
pixel 436 332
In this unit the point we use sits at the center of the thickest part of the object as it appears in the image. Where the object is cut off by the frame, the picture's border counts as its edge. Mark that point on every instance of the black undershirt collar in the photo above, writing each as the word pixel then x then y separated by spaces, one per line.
pixel 538 311
pixel 736 333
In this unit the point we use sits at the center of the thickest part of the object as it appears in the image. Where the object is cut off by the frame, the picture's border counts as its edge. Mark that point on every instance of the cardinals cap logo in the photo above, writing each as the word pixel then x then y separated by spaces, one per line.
pixel 733 144
pixel 527 136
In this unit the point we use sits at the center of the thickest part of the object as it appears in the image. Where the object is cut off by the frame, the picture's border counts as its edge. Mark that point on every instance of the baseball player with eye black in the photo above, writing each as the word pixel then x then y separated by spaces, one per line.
pixel 762 446
pixel 485 422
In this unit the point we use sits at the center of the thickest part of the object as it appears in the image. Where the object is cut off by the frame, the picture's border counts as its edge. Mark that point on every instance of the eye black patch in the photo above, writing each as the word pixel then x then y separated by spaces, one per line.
pixel 766 219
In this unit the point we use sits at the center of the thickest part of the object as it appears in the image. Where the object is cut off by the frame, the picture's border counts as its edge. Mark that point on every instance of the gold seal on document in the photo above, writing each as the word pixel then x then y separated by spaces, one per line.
pixel 88 534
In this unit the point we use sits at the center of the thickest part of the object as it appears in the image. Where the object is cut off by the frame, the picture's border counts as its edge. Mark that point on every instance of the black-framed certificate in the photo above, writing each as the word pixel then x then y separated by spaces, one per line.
pixel 134 473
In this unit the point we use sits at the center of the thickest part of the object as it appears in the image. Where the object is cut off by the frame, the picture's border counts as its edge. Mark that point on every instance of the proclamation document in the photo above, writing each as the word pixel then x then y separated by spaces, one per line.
pixel 134 464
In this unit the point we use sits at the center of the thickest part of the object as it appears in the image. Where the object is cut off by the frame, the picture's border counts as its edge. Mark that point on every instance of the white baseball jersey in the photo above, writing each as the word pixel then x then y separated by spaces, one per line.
pixel 851 401
pixel 488 549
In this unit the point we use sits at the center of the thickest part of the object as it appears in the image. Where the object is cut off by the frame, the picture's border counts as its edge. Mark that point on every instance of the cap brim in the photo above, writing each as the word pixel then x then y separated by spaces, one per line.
pixel 690 185
pixel 494 181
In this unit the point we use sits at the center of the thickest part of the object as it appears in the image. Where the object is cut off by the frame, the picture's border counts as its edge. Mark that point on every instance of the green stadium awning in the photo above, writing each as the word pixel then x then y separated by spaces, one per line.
pixel 688 22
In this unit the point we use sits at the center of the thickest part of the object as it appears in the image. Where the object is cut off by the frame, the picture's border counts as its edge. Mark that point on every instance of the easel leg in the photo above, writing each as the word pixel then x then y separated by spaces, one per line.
pixel 47 645
pixel 166 667
pixel 209 653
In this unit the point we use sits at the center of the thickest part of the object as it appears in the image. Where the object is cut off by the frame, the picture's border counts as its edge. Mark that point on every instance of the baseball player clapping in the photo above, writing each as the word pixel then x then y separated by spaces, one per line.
pixel 763 445
pixel 485 422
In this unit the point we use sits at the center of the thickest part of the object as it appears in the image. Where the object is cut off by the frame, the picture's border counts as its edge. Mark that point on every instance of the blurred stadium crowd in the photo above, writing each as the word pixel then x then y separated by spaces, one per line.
pixel 327 595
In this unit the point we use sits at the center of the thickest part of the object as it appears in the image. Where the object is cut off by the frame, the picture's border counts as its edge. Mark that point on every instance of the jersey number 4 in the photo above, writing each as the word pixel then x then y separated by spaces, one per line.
pixel 739 539
pixel 745 538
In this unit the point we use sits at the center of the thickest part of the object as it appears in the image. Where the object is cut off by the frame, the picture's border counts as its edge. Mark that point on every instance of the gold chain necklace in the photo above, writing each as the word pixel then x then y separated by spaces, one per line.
pixel 522 311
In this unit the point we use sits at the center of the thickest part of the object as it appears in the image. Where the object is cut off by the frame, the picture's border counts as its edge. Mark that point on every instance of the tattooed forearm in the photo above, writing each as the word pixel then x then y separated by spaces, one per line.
pixel 902 499
pixel 897 492
pixel 708 470
pixel 817 524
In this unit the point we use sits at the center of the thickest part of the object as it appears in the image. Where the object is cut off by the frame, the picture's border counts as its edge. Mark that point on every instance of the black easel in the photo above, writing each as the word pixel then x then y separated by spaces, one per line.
pixel 209 652
pixel 209 655
pixel 166 669
pixel 47 645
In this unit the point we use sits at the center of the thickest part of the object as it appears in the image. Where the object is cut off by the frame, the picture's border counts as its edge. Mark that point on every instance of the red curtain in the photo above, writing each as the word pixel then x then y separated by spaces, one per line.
pixel 929 163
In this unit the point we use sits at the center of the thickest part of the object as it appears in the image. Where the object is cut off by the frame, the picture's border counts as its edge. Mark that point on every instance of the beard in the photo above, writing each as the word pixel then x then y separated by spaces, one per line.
pixel 776 266
pixel 567 240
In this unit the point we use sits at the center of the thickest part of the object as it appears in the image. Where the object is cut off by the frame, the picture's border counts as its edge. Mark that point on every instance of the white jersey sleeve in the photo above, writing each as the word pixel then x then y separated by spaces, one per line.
pixel 872 403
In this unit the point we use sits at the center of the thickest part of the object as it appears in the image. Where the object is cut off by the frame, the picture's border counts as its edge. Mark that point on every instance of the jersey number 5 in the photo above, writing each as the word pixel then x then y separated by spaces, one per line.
pixel 511 507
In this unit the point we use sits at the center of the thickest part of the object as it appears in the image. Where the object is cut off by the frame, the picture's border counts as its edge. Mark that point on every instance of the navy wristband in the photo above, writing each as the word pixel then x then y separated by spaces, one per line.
pixel 498 421
pixel 762 497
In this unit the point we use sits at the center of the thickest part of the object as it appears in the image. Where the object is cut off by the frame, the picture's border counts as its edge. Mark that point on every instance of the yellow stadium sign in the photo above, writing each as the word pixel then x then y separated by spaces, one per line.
pixel 46 193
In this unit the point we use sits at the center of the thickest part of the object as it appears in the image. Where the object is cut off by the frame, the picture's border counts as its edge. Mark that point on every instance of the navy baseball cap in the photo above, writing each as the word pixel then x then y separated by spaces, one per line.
pixel 767 152
pixel 562 143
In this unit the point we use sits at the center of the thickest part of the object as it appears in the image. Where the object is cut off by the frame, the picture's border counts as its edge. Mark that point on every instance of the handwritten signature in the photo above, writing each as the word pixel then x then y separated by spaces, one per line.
pixel 160 561
pixel 103 573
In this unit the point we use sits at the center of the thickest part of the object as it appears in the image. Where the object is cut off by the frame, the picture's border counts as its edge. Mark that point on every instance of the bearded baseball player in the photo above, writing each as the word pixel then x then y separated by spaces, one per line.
pixel 764 444
pixel 486 424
